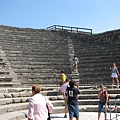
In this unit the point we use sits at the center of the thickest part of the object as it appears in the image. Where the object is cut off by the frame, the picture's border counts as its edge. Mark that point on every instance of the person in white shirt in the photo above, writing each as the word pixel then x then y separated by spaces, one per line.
pixel 62 89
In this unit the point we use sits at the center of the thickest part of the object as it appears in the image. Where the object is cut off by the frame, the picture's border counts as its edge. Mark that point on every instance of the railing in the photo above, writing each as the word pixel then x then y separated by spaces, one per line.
pixel 70 29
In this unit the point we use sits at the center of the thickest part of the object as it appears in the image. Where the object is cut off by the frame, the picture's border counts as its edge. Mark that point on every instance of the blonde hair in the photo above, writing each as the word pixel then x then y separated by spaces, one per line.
pixel 101 86
pixel 36 88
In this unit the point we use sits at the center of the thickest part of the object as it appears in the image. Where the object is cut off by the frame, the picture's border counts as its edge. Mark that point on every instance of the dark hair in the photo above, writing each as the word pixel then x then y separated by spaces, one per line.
pixel 74 55
pixel 67 79
pixel 72 83
pixel 62 71
pixel 36 88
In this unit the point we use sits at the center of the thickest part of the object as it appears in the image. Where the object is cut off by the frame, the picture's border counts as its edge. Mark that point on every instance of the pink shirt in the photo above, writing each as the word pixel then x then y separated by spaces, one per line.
pixel 37 107
pixel 63 88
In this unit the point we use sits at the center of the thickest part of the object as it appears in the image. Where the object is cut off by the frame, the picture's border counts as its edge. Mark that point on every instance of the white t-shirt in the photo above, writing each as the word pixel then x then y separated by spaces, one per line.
pixel 63 88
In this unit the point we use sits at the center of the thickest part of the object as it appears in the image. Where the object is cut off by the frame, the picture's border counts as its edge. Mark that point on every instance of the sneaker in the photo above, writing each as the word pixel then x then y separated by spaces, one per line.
pixel 65 116
pixel 117 86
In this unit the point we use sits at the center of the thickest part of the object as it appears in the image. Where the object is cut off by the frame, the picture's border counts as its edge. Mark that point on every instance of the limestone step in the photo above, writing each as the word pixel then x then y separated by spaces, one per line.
pixel 6 84
pixel 6 101
pixel 94 46
pixel 5 79
pixel 13 107
pixel 4 72
pixel 22 114
pixel 15 115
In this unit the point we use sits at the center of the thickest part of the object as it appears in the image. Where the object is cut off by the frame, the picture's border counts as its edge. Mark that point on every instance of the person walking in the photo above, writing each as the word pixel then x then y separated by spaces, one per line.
pixel 103 99
pixel 72 94
pixel 63 77
pixel 115 74
pixel 39 106
pixel 75 64
pixel 62 89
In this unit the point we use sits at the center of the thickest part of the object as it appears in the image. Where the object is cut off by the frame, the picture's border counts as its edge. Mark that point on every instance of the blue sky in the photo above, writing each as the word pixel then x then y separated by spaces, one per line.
pixel 100 15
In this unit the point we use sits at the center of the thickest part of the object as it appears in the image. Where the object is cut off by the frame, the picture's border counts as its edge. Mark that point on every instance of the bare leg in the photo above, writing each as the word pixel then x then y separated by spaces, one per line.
pixel 112 81
pixel 76 69
pixel 117 81
pixel 65 109
pixel 105 116
pixel 98 116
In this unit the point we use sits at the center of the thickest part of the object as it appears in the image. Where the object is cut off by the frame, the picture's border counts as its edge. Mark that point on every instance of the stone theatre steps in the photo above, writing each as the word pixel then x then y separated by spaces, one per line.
pixel 14 101
pixel 95 61
pixel 35 55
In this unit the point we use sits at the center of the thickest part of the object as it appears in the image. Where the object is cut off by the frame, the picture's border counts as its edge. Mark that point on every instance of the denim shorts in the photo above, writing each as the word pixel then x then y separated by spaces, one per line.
pixel 73 111
pixel 100 107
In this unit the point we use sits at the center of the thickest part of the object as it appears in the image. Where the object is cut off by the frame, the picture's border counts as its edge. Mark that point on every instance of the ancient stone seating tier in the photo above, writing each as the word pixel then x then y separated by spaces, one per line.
pixel 97 53
pixel 30 56
pixel 14 101
pixel 36 56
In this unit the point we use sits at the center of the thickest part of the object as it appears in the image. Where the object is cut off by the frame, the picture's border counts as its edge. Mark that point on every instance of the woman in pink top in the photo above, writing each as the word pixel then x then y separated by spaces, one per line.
pixel 37 105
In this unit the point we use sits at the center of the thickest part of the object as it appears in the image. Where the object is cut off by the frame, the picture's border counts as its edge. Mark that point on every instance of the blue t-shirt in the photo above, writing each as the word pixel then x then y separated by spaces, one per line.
pixel 72 95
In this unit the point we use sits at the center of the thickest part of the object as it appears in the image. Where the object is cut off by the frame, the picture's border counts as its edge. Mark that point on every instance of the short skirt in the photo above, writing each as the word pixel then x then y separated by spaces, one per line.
pixel 114 75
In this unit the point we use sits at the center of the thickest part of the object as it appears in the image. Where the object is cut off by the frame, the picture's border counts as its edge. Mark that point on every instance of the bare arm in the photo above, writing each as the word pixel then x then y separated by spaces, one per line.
pixel 59 76
pixel 107 97
pixel 99 94
pixel 117 71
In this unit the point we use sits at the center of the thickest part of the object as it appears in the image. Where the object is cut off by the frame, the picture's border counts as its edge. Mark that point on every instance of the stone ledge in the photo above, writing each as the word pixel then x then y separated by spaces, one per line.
pixel 18 115
pixel 13 107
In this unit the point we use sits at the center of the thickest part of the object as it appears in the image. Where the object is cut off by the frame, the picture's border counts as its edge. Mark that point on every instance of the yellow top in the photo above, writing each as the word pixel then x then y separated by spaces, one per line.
pixel 63 77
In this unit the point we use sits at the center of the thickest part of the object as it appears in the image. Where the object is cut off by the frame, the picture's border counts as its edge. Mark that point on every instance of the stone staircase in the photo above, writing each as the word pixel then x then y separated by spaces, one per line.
pixel 7 75
pixel 14 101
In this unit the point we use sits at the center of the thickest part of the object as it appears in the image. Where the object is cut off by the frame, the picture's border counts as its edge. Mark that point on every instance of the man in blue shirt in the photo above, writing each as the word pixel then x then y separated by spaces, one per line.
pixel 72 93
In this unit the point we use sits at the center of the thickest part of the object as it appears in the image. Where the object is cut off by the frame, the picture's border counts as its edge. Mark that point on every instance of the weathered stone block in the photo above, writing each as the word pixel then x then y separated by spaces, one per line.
pixel 7 95
pixel 15 95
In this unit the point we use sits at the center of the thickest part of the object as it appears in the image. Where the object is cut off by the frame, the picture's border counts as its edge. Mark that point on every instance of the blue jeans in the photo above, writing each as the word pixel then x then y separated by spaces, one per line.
pixel 73 111
pixel 100 107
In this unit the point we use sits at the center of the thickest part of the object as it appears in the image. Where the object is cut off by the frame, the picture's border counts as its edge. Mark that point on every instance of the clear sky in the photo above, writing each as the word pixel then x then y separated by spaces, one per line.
pixel 100 15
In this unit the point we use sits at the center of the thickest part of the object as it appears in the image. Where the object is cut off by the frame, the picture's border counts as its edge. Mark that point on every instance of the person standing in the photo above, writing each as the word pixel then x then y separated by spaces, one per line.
pixel 72 94
pixel 103 99
pixel 115 74
pixel 39 106
pixel 62 89
pixel 75 64
pixel 63 77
